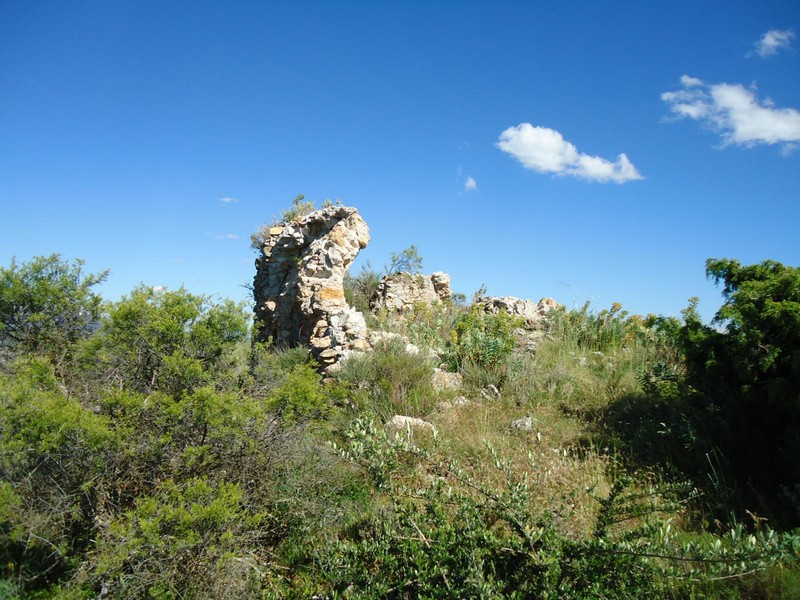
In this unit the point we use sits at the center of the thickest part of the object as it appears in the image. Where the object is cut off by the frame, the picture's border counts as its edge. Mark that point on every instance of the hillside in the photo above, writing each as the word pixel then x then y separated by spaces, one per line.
pixel 378 437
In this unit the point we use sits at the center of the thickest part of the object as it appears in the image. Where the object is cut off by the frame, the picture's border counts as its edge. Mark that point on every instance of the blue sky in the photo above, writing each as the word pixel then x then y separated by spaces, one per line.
pixel 579 150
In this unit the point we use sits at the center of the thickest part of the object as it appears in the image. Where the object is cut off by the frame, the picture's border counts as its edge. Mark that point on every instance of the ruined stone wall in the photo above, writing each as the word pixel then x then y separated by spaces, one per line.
pixel 298 287
pixel 401 291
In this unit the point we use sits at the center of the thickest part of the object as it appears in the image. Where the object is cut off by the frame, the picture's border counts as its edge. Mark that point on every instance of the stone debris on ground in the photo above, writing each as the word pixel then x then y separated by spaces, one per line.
pixel 443 381
pixel 490 392
pixel 404 423
pixel 523 424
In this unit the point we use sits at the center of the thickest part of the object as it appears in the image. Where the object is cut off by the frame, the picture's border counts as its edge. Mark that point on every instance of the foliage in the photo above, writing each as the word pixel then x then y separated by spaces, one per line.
pixel 481 341
pixel 268 367
pixel 429 325
pixel 599 332
pixel 450 536
pixel 177 542
pixel 390 381
pixel 300 396
pixel 170 457
pixel 747 372
pixel 760 345
pixel 163 340
pixel 300 208
pixel 50 451
pixel 359 289
pixel 47 305
pixel 408 260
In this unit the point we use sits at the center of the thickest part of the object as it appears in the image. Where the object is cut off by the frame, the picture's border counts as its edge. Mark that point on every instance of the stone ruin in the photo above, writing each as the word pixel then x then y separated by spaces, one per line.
pixel 534 314
pixel 298 287
pixel 399 292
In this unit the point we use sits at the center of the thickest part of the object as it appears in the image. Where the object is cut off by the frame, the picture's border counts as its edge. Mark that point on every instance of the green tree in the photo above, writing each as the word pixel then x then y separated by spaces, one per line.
pixel 747 371
pixel 409 260
pixel 46 305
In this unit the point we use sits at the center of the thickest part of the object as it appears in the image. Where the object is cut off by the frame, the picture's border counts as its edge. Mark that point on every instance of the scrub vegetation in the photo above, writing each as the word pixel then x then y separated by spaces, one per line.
pixel 149 449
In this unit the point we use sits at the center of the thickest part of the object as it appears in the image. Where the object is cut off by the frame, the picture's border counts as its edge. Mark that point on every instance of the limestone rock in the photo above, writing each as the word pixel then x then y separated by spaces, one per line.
pixel 298 287
pixel 457 402
pixel 402 423
pixel 524 424
pixel 443 381
pixel 401 291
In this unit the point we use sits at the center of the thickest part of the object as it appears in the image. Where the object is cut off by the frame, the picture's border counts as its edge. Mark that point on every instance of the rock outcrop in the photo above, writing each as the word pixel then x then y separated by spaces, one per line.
pixel 399 292
pixel 533 314
pixel 298 287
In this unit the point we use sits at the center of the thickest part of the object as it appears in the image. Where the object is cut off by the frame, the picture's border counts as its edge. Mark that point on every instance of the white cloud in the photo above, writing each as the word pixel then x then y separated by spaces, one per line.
pixel 735 113
pixel 227 236
pixel 228 200
pixel 691 81
pixel 158 288
pixel 470 184
pixel 773 41
pixel 546 151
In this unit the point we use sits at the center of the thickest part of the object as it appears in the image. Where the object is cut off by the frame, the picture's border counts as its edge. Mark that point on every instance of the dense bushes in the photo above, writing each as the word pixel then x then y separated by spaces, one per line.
pixel 171 341
pixel 746 371
pixel 480 344
pixel 46 305
pixel 725 408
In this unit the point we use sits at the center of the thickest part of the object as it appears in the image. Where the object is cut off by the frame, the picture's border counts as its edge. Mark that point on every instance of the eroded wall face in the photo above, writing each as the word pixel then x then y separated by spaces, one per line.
pixel 299 284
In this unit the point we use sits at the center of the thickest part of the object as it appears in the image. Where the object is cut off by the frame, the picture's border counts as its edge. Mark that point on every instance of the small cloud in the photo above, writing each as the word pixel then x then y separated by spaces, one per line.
pixel 690 81
pixel 178 259
pixel 470 185
pixel 227 236
pixel 735 112
pixel 158 288
pixel 228 200
pixel 546 151
pixel 773 41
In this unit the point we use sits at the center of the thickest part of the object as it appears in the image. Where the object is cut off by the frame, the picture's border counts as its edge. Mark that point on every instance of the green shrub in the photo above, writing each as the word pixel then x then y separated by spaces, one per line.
pixel 408 260
pixel 300 396
pixel 53 454
pixel 178 542
pixel 428 326
pixel 165 340
pixel 46 306
pixel 359 289
pixel 746 370
pixel 390 381
pixel 480 344
pixel 299 209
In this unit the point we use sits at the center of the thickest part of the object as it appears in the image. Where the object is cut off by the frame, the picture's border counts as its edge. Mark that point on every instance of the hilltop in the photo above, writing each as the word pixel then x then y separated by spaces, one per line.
pixel 372 435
